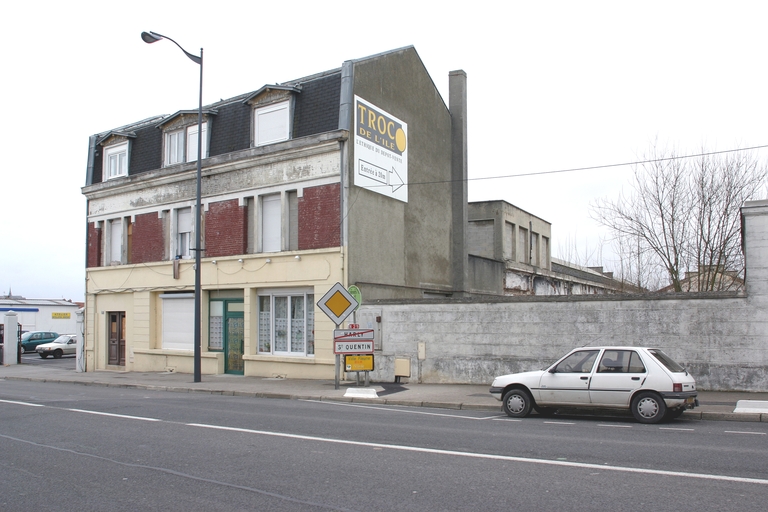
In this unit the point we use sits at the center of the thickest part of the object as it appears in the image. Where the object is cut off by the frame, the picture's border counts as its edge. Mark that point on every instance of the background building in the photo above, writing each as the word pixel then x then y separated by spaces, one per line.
pixel 57 315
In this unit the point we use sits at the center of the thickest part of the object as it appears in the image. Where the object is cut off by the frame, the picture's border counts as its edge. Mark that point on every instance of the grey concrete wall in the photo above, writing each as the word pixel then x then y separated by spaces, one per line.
pixel 401 249
pixel 721 338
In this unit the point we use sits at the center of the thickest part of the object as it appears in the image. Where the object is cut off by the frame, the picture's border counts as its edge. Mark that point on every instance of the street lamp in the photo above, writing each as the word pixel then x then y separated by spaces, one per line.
pixel 153 37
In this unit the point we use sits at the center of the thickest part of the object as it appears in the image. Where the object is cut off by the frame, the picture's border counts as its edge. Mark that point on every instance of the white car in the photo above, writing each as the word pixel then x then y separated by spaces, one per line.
pixel 644 380
pixel 63 345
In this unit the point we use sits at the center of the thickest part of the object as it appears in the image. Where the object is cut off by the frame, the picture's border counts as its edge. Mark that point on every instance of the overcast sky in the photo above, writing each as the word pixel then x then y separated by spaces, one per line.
pixel 552 86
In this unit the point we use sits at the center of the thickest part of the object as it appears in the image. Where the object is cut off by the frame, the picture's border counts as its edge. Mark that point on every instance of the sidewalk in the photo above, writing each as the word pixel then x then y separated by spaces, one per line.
pixel 714 405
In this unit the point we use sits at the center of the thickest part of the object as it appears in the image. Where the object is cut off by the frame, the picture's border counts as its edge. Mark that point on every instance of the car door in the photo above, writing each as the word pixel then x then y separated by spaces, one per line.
pixel 568 381
pixel 618 374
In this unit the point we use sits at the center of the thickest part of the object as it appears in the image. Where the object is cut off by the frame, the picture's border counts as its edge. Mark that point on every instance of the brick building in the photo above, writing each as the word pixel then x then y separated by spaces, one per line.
pixel 354 175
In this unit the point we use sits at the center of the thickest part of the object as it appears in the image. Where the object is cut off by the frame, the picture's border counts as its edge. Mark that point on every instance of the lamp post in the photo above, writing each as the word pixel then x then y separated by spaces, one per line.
pixel 153 37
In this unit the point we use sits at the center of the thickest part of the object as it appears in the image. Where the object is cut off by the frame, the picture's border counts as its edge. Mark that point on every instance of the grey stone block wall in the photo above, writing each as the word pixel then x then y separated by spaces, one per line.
pixel 722 339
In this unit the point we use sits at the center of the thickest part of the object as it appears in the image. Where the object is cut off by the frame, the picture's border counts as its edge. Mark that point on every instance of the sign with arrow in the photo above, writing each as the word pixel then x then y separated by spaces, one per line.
pixel 381 151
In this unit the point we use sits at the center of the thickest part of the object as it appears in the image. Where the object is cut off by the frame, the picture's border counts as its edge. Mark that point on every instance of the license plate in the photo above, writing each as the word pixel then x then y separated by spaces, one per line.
pixel 690 400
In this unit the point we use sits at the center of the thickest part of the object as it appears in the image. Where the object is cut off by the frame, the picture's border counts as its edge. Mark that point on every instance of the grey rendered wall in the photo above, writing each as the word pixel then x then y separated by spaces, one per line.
pixel 396 249
pixel 722 339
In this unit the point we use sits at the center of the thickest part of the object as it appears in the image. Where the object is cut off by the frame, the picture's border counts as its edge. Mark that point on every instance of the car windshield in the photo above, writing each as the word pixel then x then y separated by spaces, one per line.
pixel 667 361
pixel 25 336
pixel 64 338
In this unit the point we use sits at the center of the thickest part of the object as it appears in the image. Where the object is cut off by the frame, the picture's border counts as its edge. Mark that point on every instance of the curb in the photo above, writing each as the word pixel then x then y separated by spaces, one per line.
pixel 689 414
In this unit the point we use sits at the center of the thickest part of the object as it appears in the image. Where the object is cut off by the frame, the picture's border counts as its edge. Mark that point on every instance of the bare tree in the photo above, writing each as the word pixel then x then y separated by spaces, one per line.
pixel 682 215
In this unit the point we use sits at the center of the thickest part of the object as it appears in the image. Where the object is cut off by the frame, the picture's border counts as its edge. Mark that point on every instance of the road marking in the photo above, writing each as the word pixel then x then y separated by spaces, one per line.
pixel 416 449
pixel 613 426
pixel 740 432
pixel 559 423
pixel 679 429
pixel 21 403
pixel 488 456
pixel 114 415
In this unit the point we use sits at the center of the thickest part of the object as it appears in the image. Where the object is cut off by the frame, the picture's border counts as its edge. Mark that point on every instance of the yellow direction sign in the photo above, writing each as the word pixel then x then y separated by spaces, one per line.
pixel 359 363
pixel 338 303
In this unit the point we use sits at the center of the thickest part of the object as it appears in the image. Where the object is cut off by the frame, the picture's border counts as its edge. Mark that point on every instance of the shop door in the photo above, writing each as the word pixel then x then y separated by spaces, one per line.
pixel 117 338
pixel 234 337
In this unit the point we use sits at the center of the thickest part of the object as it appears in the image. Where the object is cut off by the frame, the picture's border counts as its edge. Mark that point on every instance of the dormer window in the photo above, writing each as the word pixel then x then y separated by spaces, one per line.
pixel 271 123
pixel 272 113
pixel 181 145
pixel 180 136
pixel 174 147
pixel 116 160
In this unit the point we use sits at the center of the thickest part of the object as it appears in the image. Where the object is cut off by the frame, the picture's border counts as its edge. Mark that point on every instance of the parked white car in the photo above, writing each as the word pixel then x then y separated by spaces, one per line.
pixel 644 380
pixel 63 345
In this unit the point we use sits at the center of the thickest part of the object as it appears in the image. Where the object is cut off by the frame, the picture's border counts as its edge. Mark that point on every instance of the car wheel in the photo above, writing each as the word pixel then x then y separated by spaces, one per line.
pixel 57 354
pixel 648 407
pixel 23 350
pixel 44 356
pixel 517 403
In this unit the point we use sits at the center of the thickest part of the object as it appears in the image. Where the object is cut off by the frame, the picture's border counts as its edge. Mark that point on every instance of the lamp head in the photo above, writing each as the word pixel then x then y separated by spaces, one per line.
pixel 150 37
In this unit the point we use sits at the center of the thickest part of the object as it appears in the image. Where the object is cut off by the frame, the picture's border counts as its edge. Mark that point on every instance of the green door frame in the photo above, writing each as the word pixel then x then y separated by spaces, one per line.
pixel 233 324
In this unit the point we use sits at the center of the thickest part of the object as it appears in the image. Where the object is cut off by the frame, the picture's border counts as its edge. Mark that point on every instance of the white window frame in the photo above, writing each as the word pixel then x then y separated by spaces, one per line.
pixel 178 321
pixel 268 328
pixel 181 145
pixel 117 154
pixel 271 217
pixel 272 123
pixel 192 142
pixel 183 229
pixel 115 243
pixel 174 147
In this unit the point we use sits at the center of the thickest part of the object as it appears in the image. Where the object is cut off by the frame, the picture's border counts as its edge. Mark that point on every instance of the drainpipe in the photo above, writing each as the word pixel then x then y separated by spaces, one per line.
pixel 346 104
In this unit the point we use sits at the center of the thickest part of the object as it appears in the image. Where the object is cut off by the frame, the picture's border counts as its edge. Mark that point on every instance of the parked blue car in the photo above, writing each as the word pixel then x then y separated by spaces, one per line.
pixel 30 340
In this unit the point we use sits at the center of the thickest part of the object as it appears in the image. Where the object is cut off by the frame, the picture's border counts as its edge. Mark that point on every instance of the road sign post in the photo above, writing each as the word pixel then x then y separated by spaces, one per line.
pixel 338 304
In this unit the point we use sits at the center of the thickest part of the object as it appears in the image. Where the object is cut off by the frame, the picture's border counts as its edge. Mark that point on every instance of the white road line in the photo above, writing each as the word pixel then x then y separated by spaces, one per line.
pixel 114 415
pixel 21 403
pixel 613 426
pixel 701 476
pixel 599 467
pixel 739 432
pixel 559 423
pixel 678 429
pixel 504 418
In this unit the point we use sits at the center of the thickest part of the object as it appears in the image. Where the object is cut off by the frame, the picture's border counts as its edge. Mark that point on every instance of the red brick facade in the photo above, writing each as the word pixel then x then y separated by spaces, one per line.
pixel 147 241
pixel 225 229
pixel 94 245
pixel 320 218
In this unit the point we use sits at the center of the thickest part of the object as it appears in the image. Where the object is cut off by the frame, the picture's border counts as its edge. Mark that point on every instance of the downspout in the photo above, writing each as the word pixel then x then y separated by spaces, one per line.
pixel 346 106
pixel 88 181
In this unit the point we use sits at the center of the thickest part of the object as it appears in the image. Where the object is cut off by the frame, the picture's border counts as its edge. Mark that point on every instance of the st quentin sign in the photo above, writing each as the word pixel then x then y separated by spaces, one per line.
pixel 353 341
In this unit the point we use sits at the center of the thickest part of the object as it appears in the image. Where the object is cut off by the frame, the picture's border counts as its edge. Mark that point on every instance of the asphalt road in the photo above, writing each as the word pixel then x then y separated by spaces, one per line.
pixel 71 447
pixel 65 363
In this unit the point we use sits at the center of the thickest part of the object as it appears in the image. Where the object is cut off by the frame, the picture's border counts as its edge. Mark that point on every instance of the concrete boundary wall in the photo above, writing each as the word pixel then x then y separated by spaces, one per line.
pixel 721 338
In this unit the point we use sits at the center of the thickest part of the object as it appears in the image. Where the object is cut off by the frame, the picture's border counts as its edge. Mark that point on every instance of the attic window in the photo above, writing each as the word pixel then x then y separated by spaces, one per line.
pixel 116 160
pixel 271 123
pixel 181 145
